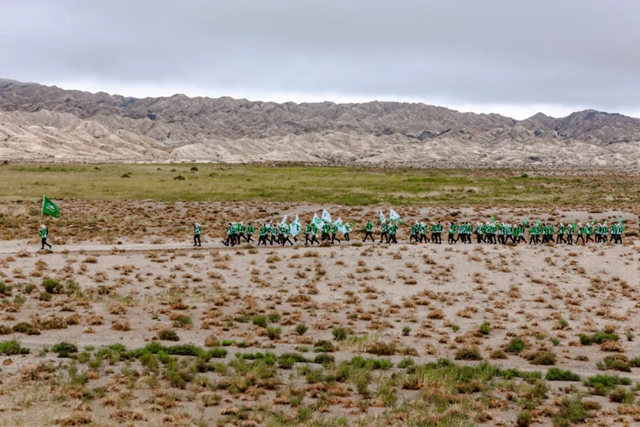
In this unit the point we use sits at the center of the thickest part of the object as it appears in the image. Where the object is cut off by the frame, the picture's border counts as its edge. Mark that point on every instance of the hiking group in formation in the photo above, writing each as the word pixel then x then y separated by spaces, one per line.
pixel 322 229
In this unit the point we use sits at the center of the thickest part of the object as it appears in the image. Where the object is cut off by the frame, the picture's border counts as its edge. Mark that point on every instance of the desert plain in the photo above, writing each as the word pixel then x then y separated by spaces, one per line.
pixel 123 322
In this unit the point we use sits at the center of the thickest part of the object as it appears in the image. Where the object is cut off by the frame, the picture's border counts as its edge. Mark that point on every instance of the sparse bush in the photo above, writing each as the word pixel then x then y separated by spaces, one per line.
pixel 498 354
pixel 339 333
pixel 468 352
pixel 382 349
pixel 301 329
pixel 541 358
pixel 52 286
pixel 64 349
pixel 524 419
pixel 323 345
pixel 598 338
pixel 260 321
pixel 485 328
pixel 273 332
pixel 606 382
pixel 26 328
pixel 406 330
pixel 555 374
pixel 184 322
pixel 12 348
pixel 516 345
pixel 274 317
pixel 616 362
pixel 5 289
pixel 324 359
pixel 572 411
pixel 168 335
pixel 621 395
pixel 635 362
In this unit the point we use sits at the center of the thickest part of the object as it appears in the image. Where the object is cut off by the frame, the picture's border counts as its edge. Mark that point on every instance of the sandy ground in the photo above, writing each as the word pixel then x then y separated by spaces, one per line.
pixel 442 293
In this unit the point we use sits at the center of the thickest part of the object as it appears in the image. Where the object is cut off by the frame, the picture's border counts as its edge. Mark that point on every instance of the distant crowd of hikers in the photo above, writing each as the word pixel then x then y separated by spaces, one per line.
pixel 322 229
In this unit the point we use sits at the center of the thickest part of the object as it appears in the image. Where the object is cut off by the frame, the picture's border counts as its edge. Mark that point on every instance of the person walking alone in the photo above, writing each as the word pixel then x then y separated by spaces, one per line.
pixel 44 234
pixel 196 235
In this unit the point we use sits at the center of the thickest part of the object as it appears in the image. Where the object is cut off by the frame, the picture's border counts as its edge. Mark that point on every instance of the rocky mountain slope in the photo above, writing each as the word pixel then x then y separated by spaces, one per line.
pixel 48 123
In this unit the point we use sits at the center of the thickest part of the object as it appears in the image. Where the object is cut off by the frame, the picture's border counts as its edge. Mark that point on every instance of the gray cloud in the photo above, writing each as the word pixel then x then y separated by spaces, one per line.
pixel 571 52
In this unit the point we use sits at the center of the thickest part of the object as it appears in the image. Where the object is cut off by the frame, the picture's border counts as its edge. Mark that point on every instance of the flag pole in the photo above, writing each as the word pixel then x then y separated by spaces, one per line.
pixel 42 210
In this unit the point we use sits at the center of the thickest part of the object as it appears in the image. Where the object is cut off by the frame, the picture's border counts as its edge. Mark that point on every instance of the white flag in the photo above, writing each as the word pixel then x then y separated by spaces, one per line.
pixel 340 225
pixel 294 228
pixel 393 215
pixel 382 220
pixel 284 221
pixel 326 217
pixel 317 222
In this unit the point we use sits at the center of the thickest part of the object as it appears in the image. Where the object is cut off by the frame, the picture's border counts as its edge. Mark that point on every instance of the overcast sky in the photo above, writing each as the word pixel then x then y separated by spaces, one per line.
pixel 514 57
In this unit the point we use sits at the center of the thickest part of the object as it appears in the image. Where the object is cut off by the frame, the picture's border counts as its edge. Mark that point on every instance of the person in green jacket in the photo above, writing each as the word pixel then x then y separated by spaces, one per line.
pixel 196 234
pixel 44 234
pixel 589 231
pixel 452 233
pixel 384 233
pixel 581 231
pixel 560 236
pixel 368 232
pixel 326 229
pixel 422 233
pixel 413 235
pixel 230 236
pixel 250 230
pixel 347 230
pixel 392 233
pixel 314 234
pixel 334 233
pixel 264 231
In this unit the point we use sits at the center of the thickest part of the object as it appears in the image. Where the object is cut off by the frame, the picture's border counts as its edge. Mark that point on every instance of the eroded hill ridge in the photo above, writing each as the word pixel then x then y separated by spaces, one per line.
pixel 48 123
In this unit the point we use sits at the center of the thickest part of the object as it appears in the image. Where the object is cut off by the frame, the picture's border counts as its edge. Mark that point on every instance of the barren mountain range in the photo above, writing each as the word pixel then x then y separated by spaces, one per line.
pixel 46 123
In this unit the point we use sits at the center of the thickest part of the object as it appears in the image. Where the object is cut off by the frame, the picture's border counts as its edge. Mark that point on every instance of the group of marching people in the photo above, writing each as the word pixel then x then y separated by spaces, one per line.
pixel 283 233
pixel 322 229
pixel 503 233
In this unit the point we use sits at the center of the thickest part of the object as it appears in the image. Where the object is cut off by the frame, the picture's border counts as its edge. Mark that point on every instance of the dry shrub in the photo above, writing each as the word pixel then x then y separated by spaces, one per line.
pixel 612 346
pixel 540 357
pixel 468 312
pixel 126 416
pixel 77 419
pixel 468 352
pixel 121 325
pixel 212 341
pixel 436 314
pixel 95 320
pixel 117 308
pixel 74 319
pixel 382 349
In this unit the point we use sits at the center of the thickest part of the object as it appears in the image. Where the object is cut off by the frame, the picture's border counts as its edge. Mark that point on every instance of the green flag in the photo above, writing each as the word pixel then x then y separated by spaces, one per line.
pixel 49 208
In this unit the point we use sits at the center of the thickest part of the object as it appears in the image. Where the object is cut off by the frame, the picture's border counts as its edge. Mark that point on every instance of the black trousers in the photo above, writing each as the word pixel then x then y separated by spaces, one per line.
pixel 196 240
pixel 44 243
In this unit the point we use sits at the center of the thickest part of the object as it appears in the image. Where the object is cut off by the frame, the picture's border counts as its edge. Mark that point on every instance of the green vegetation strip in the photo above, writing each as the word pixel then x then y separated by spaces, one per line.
pixel 317 184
